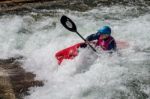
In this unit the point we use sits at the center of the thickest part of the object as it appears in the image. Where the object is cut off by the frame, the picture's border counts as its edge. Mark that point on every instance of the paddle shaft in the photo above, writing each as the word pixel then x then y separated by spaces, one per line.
pixel 86 41
pixel 70 25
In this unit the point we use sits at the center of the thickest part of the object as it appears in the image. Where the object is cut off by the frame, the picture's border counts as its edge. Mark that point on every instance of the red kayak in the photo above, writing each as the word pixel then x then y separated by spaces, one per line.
pixel 67 53
pixel 72 51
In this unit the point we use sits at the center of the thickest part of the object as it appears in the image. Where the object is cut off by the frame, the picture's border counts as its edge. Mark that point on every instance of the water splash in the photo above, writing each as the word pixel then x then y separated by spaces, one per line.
pixel 39 38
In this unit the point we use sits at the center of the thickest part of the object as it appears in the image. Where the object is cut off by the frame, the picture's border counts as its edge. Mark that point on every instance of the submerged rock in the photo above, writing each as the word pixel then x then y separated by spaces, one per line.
pixel 14 80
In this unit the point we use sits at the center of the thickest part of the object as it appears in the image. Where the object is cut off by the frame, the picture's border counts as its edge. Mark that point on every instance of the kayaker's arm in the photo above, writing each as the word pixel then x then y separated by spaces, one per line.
pixel 112 46
pixel 93 37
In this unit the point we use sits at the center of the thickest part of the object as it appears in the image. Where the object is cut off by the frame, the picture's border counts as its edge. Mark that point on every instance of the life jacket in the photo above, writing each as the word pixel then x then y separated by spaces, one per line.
pixel 104 43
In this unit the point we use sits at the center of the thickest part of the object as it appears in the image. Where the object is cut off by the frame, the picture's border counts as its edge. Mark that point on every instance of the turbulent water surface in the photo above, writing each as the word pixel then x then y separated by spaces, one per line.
pixel 38 36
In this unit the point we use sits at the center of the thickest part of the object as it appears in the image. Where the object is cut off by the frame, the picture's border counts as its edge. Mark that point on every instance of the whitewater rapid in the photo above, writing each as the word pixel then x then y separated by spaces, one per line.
pixel 38 37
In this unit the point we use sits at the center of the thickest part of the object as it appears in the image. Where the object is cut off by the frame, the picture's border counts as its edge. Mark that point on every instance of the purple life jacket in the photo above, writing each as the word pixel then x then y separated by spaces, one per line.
pixel 104 44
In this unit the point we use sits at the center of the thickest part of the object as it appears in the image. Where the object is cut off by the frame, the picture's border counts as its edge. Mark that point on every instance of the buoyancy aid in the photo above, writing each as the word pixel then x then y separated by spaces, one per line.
pixel 104 43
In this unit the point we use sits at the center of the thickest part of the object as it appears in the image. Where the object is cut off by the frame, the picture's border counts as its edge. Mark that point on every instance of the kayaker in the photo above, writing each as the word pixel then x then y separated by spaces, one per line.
pixel 103 39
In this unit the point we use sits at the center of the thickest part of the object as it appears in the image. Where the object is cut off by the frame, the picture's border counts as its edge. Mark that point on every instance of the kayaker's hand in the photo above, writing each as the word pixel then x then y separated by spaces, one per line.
pixel 87 42
pixel 83 45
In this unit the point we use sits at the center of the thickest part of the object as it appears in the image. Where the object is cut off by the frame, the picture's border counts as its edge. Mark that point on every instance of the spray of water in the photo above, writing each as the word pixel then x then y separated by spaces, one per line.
pixel 88 76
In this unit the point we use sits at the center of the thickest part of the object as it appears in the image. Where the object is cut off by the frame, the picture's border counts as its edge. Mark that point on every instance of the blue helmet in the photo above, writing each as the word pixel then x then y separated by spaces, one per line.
pixel 105 30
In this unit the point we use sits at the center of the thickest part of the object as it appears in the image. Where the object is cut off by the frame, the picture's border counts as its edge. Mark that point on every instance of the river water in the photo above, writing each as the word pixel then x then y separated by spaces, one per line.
pixel 38 36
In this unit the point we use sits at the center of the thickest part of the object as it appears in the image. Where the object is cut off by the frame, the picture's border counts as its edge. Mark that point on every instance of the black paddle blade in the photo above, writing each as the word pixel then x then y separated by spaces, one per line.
pixel 68 23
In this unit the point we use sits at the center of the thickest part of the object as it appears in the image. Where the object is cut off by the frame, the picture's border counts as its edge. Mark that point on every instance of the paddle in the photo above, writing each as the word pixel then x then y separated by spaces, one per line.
pixel 70 25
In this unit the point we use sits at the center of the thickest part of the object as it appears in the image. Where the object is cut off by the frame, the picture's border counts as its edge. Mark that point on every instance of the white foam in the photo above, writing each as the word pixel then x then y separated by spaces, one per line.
pixel 101 77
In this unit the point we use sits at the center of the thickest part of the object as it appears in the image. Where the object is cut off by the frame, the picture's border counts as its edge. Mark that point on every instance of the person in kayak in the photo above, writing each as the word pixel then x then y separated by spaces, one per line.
pixel 104 39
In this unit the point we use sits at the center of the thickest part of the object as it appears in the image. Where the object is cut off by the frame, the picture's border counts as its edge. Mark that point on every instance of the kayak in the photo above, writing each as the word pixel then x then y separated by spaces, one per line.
pixel 67 53
pixel 72 51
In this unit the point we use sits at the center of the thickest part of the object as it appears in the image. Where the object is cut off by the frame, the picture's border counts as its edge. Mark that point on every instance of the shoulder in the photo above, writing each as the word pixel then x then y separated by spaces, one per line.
pixel 112 39
pixel 112 42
